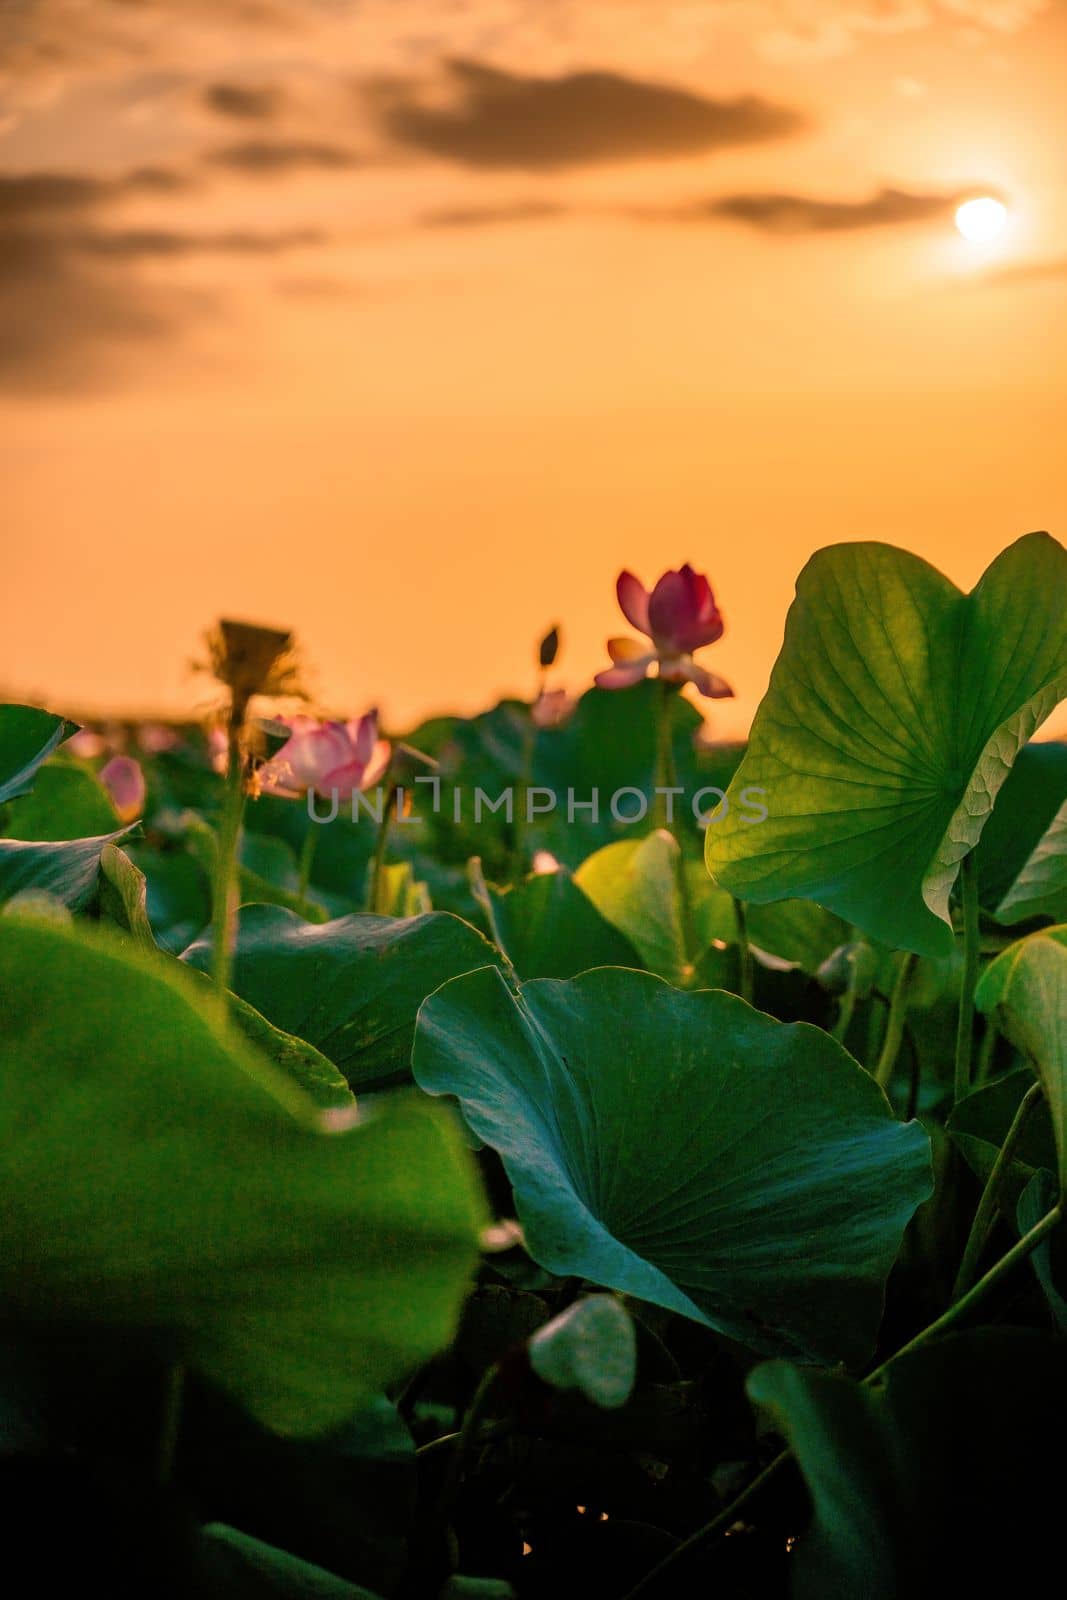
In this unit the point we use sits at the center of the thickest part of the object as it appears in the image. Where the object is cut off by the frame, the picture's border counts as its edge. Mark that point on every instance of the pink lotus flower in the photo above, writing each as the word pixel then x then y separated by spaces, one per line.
pixel 679 616
pixel 328 757
pixel 124 782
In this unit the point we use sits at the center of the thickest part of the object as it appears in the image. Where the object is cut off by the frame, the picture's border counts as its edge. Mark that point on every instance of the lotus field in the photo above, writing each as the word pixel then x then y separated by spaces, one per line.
pixel 550 1152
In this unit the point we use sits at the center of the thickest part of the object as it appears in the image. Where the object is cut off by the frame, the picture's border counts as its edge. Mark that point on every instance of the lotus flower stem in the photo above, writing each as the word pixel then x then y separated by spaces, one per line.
pixel 667 778
pixel 848 1003
pixel 663 1580
pixel 989 1204
pixel 894 1028
pixel 374 881
pixel 965 1029
pixel 224 896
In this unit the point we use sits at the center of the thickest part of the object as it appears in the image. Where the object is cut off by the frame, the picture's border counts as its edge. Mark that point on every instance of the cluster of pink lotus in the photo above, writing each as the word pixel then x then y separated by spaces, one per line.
pixel 678 616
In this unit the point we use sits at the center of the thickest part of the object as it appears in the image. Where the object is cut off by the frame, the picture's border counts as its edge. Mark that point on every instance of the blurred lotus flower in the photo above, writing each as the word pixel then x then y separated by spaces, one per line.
pixel 679 616
pixel 218 749
pixel 551 708
pixel 124 782
pixel 328 757
pixel 86 744
pixel 155 738
pixel 544 864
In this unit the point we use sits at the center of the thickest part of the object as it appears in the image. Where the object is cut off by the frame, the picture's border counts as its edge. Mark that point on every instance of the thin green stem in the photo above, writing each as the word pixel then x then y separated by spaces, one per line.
pixel 225 883
pixel 965 1027
pixel 465 1441
pixel 848 1002
pixel 744 951
pixel 986 1052
pixel 989 1204
pixel 662 1580
pixel 664 752
pixel 1019 1252
pixel 381 844
pixel 307 857
pixel 894 1028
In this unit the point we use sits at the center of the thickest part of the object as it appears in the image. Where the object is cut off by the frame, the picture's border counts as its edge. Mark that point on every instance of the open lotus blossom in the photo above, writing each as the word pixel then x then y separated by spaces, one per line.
pixel 329 757
pixel 124 781
pixel 679 616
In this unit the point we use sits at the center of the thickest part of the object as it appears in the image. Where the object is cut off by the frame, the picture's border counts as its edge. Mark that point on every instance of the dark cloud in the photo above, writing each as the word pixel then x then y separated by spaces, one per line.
pixel 132 244
pixel 266 157
pixel 36 194
pixel 487 216
pixel 245 102
pixel 793 213
pixel 505 119
pixel 74 308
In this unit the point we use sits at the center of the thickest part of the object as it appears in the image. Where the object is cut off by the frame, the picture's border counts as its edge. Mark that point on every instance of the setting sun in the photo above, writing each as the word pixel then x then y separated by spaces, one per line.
pixel 982 219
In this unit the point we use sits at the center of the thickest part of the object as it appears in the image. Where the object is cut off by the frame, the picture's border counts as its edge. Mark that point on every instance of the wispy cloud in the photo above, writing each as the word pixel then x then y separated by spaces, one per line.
pixel 245 102
pixel 500 119
pixel 74 304
pixel 271 157
pixel 795 213
pixel 489 216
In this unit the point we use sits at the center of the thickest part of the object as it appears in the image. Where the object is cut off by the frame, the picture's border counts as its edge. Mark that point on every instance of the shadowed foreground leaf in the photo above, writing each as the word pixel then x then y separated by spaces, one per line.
pixel 156 1175
pixel 943 1470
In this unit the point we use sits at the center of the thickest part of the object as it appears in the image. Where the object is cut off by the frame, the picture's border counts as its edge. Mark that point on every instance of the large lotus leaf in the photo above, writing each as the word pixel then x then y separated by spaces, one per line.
pixel 894 713
pixel 157 1175
pixel 27 737
pixel 938 1480
pixel 352 987
pixel 686 1149
pixel 67 802
pixel 1022 857
pixel 551 929
pixel 1025 989
pixel 68 870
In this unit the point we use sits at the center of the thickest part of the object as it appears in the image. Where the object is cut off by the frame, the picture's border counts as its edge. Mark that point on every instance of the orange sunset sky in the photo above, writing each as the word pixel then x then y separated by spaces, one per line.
pixel 407 323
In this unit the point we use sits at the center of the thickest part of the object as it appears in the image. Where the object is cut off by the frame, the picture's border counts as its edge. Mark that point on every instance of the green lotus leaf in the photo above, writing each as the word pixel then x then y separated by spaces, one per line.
pixel 895 711
pixel 941 1470
pixel 1022 856
pixel 1025 989
pixel 68 869
pixel 551 929
pixel 66 802
pixel 686 1149
pixel 591 1347
pixel 352 987
pixel 157 1175
pixel 28 736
